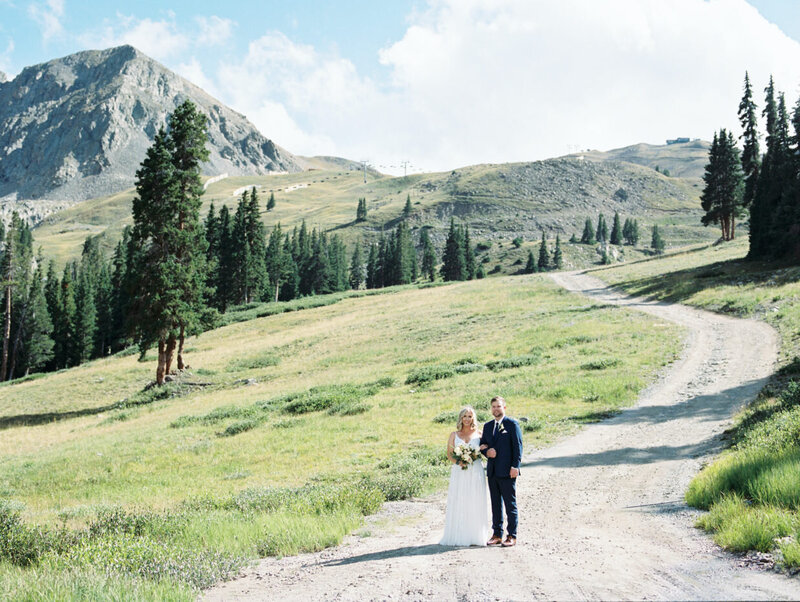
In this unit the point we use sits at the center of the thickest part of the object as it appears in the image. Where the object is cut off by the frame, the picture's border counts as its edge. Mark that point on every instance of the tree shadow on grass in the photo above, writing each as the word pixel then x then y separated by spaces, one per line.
pixel 7 422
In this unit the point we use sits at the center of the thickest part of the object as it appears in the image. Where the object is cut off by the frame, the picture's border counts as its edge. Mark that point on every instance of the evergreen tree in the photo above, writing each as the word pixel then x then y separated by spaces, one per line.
pixel 407 207
pixel 372 267
pixel 573 239
pixel 428 256
pixel 751 155
pixel 277 262
pixel 588 237
pixel 453 259
pixel 657 242
pixel 168 240
pixel 223 278
pixel 36 348
pixel 65 329
pixel 762 205
pixel 558 257
pixel 616 231
pixel 361 211
pixel 356 268
pixel 16 271
pixel 52 295
pixel 722 196
pixel 481 273
pixel 602 229
pixel 469 256
pixel 543 263
pixel 271 201
pixel 530 266
pixel 84 322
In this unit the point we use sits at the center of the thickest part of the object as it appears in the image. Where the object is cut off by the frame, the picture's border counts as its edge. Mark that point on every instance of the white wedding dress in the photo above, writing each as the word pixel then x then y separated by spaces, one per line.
pixel 466 522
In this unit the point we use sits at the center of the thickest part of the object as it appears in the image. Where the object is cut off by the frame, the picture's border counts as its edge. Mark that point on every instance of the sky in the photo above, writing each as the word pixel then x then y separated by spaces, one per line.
pixel 431 85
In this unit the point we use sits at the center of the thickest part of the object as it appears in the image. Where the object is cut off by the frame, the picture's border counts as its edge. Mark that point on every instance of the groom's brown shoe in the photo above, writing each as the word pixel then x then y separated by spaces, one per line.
pixel 495 540
pixel 510 541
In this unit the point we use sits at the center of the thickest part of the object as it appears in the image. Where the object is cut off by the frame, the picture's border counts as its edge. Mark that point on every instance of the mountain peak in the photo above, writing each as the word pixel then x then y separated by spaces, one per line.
pixel 3 78
pixel 78 127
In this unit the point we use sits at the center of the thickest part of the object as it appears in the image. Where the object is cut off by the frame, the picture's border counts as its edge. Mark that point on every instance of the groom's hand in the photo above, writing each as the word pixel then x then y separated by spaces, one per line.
pixel 513 473
pixel 491 453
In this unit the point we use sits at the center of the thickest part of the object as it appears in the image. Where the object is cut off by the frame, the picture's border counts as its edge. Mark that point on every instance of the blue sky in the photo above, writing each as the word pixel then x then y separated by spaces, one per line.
pixel 443 83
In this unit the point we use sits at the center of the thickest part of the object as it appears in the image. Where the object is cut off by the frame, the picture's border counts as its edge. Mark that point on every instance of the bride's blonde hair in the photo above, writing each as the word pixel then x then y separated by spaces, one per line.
pixel 460 422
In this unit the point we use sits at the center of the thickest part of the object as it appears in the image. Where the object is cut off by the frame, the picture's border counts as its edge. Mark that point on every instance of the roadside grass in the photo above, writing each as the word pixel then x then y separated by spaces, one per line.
pixel 278 457
pixel 752 491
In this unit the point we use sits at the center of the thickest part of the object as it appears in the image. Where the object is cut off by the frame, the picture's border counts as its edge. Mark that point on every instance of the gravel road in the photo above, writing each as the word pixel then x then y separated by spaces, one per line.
pixel 602 514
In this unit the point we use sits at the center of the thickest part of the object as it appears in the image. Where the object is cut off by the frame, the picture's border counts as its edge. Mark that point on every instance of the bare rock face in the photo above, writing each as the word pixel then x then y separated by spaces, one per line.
pixel 3 78
pixel 78 127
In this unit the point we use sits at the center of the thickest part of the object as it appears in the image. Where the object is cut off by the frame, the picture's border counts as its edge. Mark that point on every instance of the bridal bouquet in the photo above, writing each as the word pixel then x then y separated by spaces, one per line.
pixel 465 455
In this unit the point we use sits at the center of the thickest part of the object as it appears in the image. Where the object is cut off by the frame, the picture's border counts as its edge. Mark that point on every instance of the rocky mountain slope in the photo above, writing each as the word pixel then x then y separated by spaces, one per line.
pixel 78 127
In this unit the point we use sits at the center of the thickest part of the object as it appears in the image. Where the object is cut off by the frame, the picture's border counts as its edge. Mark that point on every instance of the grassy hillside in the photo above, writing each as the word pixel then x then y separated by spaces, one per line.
pixel 499 202
pixel 289 428
pixel 753 491
pixel 684 160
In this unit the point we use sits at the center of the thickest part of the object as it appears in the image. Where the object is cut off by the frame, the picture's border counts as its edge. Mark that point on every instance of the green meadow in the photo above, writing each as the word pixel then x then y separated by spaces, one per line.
pixel 289 428
pixel 752 492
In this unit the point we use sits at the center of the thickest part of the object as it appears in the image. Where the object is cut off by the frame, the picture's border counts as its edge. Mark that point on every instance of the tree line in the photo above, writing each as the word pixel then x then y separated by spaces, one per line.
pixel 764 185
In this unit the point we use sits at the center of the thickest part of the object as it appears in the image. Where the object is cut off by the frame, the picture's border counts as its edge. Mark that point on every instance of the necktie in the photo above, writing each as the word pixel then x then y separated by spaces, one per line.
pixel 495 427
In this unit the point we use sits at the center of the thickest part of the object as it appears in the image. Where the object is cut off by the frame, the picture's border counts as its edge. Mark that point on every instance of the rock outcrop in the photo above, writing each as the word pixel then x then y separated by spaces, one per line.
pixel 78 127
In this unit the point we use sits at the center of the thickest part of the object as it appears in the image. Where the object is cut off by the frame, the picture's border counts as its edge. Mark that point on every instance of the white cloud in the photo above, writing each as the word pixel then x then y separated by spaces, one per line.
pixel 279 84
pixel 502 80
pixel 48 16
pixel 158 39
pixel 5 57
pixel 512 80
pixel 214 31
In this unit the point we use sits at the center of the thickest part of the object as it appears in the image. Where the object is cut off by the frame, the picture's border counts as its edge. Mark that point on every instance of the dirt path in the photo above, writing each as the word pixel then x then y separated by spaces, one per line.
pixel 601 514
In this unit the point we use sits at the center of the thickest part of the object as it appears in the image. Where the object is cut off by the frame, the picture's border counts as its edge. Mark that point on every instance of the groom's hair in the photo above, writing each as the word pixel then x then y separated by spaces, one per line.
pixel 498 398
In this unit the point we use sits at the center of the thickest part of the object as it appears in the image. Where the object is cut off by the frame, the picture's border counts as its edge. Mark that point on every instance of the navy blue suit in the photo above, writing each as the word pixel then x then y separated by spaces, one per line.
pixel 507 442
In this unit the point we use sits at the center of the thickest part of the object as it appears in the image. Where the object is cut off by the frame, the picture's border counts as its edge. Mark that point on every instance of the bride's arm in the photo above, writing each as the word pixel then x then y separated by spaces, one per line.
pixel 450 447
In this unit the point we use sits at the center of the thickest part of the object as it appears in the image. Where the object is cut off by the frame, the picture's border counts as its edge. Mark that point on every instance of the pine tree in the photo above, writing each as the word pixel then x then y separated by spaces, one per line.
pixel 168 241
pixel 722 196
pixel 469 256
pixel 573 239
pixel 587 237
pixel 453 260
pixel 428 256
pixel 223 279
pixel 15 271
pixel 372 267
pixel 276 262
pixel 751 155
pixel 761 206
pixel 36 348
pixel 481 273
pixel 84 322
pixel 407 207
pixel 616 231
pixel 558 257
pixel 635 232
pixel 656 242
pixel 602 229
pixel 52 295
pixel 356 268
pixel 271 201
pixel 544 256
pixel 361 211
pixel 530 266
pixel 65 329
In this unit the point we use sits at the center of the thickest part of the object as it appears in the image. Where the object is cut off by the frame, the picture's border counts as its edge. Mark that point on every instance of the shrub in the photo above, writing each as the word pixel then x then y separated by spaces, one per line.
pixel 514 362
pixel 426 374
pixel 601 364
pixel 532 424
pixel 240 427
pixel 452 415
pixel 348 408
pixel 517 242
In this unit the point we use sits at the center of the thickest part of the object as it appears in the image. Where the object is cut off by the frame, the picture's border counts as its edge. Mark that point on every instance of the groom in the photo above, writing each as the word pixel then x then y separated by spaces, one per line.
pixel 501 443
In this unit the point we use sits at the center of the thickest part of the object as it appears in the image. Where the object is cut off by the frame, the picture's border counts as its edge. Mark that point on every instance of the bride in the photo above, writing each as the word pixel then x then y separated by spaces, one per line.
pixel 466 522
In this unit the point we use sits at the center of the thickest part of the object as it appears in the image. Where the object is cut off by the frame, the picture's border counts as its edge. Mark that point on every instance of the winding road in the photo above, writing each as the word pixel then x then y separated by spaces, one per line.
pixel 602 512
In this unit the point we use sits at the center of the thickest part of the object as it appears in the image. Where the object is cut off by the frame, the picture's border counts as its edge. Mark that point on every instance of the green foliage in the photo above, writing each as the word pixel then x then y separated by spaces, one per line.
pixel 601 364
pixel 722 197
pixel 451 417
pixel 588 236
pixel 426 374
pixel 517 242
pixel 516 361
pixel 240 427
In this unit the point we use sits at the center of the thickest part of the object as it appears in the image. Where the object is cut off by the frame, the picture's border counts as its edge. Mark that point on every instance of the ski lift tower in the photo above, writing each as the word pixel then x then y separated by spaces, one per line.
pixel 365 163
